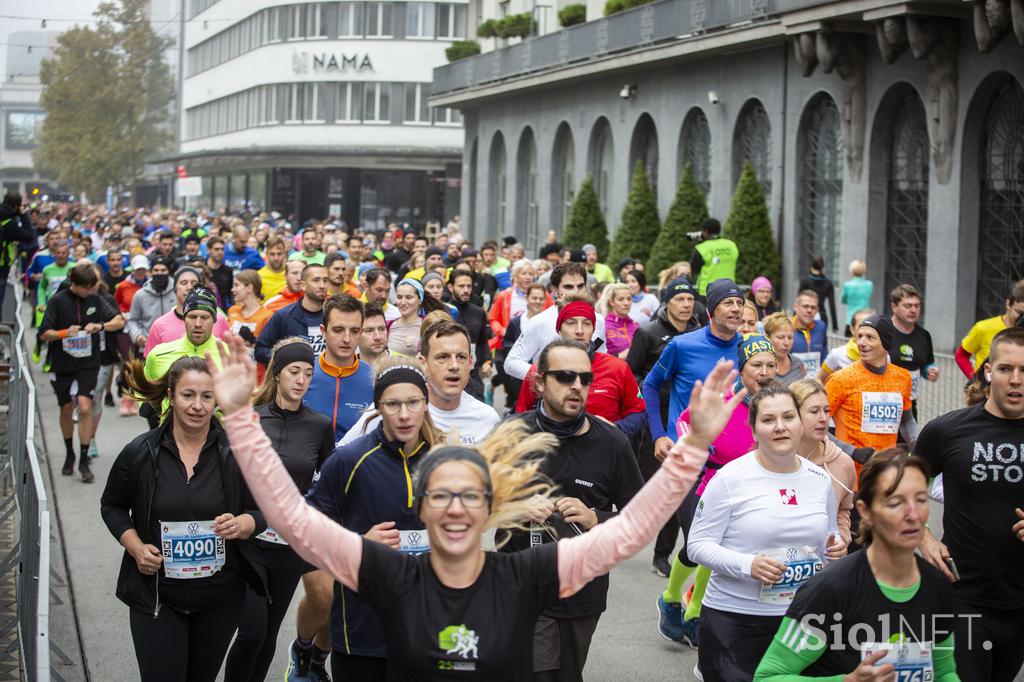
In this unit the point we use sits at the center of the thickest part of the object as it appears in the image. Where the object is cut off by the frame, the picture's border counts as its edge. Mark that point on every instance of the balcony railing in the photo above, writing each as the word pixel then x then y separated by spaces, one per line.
pixel 651 24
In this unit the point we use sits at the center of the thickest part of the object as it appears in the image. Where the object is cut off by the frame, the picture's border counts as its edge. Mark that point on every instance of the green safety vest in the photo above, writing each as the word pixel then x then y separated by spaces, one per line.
pixel 720 256
pixel 8 252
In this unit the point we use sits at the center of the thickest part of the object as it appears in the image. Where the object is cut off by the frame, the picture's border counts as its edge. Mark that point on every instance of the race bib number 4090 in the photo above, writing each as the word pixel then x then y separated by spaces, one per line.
pixel 191 549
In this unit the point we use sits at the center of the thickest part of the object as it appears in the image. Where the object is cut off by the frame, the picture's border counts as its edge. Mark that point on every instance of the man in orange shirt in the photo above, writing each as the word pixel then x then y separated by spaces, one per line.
pixel 870 399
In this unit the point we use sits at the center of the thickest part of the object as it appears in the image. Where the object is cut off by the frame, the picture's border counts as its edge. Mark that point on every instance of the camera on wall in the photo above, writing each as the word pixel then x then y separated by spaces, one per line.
pixel 627 91
pixel 713 97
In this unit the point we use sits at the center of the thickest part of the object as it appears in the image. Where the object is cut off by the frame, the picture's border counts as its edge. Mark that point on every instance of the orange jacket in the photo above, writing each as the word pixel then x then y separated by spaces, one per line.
pixel 499 315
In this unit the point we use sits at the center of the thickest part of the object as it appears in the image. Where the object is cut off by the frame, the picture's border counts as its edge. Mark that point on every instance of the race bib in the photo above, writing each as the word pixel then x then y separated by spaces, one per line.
pixel 237 326
pixel 53 285
pixel 270 535
pixel 191 549
pixel 912 661
pixel 810 361
pixel 801 565
pixel 881 412
pixel 77 346
pixel 413 541
pixel 316 339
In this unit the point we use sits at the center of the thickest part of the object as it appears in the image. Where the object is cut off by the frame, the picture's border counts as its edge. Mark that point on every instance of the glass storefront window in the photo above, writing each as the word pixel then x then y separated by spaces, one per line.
pixel 237 191
pixel 220 192
pixel 258 191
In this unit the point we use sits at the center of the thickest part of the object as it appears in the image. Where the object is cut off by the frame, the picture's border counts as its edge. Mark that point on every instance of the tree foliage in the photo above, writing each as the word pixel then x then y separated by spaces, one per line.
pixel 750 227
pixel 570 15
pixel 689 209
pixel 640 224
pixel 586 223
pixel 460 49
pixel 107 94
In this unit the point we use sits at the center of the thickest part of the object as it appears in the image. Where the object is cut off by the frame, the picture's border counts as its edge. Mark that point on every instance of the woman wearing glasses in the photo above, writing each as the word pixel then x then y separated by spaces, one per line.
pixel 303 438
pixel 458 612
pixel 366 486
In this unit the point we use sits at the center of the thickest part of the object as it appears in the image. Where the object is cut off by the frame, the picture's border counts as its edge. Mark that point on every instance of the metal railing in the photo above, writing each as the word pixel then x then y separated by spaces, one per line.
pixel 651 24
pixel 33 543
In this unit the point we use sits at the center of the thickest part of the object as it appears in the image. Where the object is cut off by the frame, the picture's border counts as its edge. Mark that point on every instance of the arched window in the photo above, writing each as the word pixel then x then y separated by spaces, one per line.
pixel 563 178
pixel 695 148
pixel 602 162
pixel 752 142
pixel 906 223
pixel 498 184
pixel 644 148
pixel 821 185
pixel 1001 223
pixel 526 180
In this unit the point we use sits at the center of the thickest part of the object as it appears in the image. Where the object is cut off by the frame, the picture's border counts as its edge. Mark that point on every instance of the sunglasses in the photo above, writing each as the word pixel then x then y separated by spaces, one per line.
pixel 568 377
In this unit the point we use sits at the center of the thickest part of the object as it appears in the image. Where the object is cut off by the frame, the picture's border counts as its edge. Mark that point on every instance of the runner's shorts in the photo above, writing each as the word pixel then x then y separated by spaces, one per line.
pixel 82 385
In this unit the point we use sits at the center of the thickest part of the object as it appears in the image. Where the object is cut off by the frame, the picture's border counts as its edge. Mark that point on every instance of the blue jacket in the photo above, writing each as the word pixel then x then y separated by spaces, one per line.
pixel 811 340
pixel 291 320
pixel 687 358
pixel 366 482
pixel 341 393
pixel 249 259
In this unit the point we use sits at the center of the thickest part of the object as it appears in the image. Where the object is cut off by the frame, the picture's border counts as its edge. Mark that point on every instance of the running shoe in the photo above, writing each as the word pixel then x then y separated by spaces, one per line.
pixel 318 673
pixel 689 629
pixel 69 465
pixel 697 673
pixel 670 620
pixel 85 472
pixel 108 400
pixel 661 566
pixel 298 664
pixel 93 450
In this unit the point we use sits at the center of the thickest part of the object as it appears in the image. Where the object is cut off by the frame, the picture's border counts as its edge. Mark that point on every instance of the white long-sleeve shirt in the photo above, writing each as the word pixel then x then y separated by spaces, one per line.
pixel 538 332
pixel 747 510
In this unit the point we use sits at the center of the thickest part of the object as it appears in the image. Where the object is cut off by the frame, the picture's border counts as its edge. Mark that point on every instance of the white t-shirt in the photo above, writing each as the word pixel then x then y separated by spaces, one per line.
pixel 747 510
pixel 537 333
pixel 472 420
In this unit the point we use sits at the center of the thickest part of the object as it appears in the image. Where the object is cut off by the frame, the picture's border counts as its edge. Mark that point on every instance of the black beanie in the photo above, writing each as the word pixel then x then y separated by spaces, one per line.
pixel 719 290
pixel 884 327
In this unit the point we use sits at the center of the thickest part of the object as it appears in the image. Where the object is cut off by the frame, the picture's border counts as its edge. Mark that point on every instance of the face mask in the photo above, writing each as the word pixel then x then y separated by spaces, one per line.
pixel 160 282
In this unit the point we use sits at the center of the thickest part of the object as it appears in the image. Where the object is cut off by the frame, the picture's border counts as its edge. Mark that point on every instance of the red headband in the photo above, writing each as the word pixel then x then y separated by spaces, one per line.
pixel 575 309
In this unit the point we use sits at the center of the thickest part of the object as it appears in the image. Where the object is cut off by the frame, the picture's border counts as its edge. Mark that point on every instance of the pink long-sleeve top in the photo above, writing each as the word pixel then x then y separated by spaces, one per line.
pixel 735 441
pixel 339 551
pixel 170 327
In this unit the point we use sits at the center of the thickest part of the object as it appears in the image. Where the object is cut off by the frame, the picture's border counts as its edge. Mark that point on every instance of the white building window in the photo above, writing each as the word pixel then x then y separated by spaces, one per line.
pixel 349 106
pixel 377 103
pixel 297 25
pixel 416 109
pixel 378 20
pixel 419 20
pixel 446 116
pixel 350 20
pixel 315 27
pixel 451 21
pixel 274 24
pixel 312 112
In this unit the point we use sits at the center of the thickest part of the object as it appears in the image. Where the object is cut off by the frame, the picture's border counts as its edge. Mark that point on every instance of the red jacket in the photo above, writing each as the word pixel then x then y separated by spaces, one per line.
pixel 499 315
pixel 125 292
pixel 614 394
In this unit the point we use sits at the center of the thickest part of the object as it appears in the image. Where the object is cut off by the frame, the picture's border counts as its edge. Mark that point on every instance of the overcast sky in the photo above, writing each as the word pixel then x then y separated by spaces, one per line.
pixel 60 15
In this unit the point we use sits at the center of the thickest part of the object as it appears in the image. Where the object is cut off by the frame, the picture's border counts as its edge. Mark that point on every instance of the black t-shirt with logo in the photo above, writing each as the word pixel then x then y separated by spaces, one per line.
pixel 80 353
pixel 847 607
pixel 981 459
pixel 599 469
pixel 913 352
pixel 481 632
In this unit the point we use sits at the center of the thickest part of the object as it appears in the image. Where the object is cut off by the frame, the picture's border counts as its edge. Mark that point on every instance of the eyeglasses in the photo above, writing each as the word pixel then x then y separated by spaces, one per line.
pixel 393 407
pixel 442 499
pixel 568 377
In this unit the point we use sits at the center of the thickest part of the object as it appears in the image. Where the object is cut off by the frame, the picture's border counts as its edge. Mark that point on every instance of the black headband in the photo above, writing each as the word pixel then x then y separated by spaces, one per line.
pixel 297 351
pixel 451 453
pixel 399 374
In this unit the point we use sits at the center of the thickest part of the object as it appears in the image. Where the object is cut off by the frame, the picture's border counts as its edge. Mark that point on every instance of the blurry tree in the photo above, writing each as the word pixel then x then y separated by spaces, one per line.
pixel 640 225
pixel 586 223
pixel 107 94
pixel 688 211
pixel 750 227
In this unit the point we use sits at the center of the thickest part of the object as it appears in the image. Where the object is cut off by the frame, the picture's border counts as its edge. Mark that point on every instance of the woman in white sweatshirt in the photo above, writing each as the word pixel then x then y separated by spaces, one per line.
pixel 765 524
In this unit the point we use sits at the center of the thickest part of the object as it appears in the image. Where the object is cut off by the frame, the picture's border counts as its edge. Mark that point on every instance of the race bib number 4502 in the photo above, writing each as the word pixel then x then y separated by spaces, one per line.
pixel 191 549
pixel 881 412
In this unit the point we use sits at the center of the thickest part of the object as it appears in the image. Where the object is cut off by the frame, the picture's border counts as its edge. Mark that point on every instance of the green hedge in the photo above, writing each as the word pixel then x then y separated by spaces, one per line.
pixel 461 49
pixel 570 15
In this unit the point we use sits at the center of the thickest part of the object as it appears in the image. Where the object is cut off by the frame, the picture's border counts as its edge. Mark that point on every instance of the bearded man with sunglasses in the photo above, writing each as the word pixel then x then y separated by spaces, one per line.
pixel 614 395
pixel 594 469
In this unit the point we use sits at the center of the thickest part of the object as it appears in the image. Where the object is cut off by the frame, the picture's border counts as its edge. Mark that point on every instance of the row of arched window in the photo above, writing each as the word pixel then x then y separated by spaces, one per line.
pixel 820 177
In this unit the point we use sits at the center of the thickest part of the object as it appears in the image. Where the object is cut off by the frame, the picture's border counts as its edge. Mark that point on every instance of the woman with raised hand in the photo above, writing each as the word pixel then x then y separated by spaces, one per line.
pixel 764 525
pixel 457 611
pixel 303 438
pixel 176 501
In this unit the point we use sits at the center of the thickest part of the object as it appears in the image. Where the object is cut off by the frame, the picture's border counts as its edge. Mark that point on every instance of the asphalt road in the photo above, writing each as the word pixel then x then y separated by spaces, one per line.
pixel 626 645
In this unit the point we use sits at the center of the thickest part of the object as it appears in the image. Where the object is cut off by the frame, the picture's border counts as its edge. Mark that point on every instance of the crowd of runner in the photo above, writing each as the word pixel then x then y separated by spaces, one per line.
pixel 451 444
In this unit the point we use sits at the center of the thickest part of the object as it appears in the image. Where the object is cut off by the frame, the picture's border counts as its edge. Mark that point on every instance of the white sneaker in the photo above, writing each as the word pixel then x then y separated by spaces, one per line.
pixel 697 673
pixel 93 450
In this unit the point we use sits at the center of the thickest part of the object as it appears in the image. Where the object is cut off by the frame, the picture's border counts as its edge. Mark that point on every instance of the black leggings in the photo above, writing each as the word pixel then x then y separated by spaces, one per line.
pixel 346 667
pixel 685 517
pixel 732 644
pixel 180 647
pixel 1004 629
pixel 253 651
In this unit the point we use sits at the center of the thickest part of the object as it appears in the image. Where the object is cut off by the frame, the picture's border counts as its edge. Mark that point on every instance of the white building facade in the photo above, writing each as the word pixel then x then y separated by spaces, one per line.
pixel 320 109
